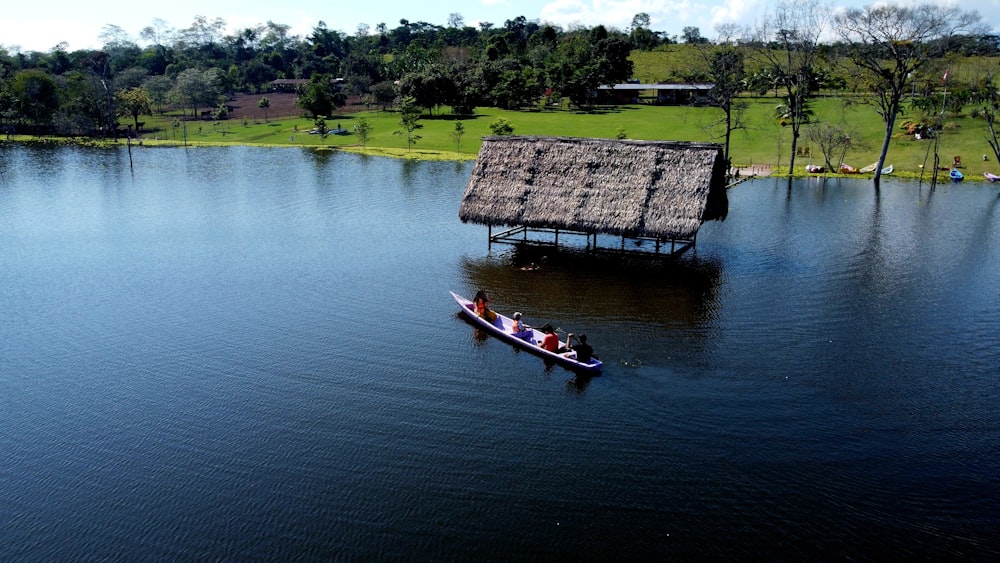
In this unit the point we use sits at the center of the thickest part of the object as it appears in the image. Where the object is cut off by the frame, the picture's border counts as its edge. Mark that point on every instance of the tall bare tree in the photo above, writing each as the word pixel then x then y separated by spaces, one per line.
pixel 889 43
pixel 786 44
pixel 726 68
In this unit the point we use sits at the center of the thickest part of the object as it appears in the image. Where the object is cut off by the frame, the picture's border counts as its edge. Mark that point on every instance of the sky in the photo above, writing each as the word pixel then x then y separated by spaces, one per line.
pixel 25 26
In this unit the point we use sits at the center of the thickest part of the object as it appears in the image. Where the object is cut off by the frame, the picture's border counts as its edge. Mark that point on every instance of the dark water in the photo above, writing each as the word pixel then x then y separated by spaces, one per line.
pixel 251 354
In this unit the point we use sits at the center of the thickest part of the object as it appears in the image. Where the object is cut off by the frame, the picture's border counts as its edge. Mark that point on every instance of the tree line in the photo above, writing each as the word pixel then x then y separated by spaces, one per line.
pixel 883 51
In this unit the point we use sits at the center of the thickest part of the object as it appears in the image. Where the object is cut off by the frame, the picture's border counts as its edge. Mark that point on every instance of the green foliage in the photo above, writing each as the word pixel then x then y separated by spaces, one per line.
pixel 264 103
pixel 319 125
pixel 320 96
pixel 457 134
pixel 521 64
pixel 409 115
pixel 502 126
pixel 133 103
pixel 37 95
pixel 195 88
pixel 363 131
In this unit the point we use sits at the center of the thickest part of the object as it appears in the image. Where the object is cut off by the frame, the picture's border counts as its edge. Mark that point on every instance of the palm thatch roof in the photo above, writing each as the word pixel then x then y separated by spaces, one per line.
pixel 620 187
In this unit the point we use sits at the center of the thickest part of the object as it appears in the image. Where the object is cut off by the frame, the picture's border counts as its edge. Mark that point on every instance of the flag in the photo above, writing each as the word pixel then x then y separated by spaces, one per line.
pixel 945 77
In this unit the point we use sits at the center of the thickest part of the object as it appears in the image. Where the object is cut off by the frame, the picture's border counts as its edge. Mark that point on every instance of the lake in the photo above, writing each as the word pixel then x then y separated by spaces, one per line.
pixel 251 354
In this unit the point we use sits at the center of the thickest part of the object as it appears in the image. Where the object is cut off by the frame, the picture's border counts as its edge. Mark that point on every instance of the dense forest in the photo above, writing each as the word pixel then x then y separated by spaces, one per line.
pixel 519 64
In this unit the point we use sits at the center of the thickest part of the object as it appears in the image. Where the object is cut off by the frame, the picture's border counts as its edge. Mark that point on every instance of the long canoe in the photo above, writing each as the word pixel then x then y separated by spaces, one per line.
pixel 501 328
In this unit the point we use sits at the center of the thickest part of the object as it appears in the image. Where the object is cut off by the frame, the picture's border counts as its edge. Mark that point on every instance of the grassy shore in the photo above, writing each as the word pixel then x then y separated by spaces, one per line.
pixel 761 142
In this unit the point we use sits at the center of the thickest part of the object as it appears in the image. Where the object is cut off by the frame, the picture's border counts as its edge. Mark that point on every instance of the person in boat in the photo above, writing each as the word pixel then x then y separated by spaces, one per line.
pixel 481 303
pixel 518 328
pixel 583 350
pixel 551 341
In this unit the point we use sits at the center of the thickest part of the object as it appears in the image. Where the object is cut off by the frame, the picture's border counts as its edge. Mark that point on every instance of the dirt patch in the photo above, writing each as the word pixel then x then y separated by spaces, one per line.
pixel 282 106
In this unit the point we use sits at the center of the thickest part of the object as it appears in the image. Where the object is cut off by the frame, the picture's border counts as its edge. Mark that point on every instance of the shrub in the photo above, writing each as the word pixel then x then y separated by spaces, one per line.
pixel 502 126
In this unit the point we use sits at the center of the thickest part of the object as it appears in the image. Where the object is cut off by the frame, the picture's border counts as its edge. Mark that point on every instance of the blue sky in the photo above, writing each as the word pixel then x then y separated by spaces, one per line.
pixel 40 27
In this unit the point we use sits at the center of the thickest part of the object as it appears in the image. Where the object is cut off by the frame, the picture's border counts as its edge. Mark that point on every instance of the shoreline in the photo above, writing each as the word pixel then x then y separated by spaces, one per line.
pixel 740 173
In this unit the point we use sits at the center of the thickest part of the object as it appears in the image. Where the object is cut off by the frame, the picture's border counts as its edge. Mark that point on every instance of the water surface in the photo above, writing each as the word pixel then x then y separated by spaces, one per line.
pixel 246 354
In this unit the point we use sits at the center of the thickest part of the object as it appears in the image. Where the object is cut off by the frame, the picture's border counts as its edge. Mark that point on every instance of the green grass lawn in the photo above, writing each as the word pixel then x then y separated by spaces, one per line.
pixel 761 141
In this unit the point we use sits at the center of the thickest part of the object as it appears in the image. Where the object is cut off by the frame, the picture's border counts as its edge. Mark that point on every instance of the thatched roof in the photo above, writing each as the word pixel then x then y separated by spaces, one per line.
pixel 629 188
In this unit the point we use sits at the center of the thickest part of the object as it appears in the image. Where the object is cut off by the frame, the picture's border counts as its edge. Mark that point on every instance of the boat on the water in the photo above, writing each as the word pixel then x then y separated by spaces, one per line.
pixel 956 175
pixel 991 177
pixel 529 340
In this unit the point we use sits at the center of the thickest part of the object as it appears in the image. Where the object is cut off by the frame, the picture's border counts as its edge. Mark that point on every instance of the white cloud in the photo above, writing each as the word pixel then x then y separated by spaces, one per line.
pixel 742 12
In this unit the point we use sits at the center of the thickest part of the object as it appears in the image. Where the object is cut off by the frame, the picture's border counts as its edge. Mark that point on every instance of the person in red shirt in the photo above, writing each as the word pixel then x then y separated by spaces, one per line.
pixel 551 340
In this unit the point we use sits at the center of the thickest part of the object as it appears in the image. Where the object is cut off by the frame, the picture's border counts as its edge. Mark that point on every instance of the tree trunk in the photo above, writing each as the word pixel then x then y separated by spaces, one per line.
pixel 795 142
pixel 890 123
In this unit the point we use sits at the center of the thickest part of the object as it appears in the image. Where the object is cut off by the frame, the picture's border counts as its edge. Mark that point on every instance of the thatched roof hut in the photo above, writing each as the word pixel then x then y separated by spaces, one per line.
pixel 655 189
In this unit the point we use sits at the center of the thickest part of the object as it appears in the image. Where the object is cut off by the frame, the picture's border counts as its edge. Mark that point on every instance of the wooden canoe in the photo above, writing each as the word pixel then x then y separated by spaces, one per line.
pixel 501 328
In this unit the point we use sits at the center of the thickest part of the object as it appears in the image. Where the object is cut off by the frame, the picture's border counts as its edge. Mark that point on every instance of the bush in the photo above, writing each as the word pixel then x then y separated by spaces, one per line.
pixel 502 126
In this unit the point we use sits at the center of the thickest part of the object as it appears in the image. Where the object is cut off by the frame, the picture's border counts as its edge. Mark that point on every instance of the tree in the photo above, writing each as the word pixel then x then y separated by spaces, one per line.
pixel 133 103
pixel 692 35
pixel 37 95
pixel 429 87
pixel 319 97
pixel 786 44
pixel 319 125
pixel 640 21
pixel 585 60
pixel 833 141
pixel 197 88
pixel 264 103
pixel 987 97
pixel 640 35
pixel 890 43
pixel 456 135
pixel 409 115
pixel 384 93
pixel 158 88
pixel 726 69
pixel 363 130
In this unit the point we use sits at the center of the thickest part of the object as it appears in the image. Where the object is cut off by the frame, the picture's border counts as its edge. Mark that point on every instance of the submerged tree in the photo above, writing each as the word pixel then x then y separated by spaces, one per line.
pixel 890 43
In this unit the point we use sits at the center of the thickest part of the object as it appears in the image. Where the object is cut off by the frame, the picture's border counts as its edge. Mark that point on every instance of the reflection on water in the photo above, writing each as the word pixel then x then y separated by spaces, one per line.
pixel 543 283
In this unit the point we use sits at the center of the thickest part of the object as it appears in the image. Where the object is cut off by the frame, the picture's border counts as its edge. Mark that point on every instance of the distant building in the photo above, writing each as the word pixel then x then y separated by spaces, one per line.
pixel 296 84
pixel 288 84
pixel 660 94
